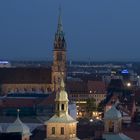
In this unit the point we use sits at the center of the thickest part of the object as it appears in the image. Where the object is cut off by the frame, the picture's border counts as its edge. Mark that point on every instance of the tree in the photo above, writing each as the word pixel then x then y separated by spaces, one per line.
pixel 100 106
pixel 90 106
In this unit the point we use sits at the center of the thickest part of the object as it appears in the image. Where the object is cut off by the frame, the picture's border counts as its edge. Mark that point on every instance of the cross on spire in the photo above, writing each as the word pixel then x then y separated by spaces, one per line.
pixel 18 110
pixel 62 86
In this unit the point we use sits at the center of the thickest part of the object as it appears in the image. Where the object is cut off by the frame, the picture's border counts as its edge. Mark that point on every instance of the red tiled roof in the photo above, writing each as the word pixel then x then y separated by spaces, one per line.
pixel 76 86
pixel 132 131
pixel 15 102
pixel 25 75
pixel 96 86
pixel 49 100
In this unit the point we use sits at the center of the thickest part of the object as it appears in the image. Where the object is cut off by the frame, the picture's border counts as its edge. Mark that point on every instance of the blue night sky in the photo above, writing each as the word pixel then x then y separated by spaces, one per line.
pixel 97 29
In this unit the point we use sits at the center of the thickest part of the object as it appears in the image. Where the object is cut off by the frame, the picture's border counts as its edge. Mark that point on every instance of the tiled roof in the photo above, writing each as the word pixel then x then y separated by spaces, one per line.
pixel 18 102
pixel 132 131
pixel 13 102
pixel 96 86
pixel 25 75
pixel 49 101
pixel 76 86
pixel 119 136
pixel 116 84
pixel 63 119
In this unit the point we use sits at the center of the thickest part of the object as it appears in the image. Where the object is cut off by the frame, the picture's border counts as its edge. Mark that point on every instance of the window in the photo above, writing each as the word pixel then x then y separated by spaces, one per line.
pixel 111 126
pixel 53 130
pixel 57 106
pixel 62 130
pixel 62 106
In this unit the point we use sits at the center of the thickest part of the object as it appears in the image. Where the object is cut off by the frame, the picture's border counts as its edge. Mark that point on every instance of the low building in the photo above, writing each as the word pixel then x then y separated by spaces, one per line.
pixel 113 125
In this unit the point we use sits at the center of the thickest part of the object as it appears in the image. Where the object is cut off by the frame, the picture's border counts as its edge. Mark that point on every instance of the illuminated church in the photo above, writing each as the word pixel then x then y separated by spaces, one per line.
pixel 37 79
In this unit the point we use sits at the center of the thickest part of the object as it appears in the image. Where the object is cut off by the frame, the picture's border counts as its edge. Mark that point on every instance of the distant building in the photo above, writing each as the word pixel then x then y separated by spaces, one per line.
pixel 5 64
pixel 97 90
pixel 24 79
pixel 80 91
pixel 113 125
pixel 31 104
pixel 117 92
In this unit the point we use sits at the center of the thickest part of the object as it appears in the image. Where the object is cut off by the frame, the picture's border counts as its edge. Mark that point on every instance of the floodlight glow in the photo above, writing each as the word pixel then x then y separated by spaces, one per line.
pixel 4 62
pixel 129 84
pixel 124 71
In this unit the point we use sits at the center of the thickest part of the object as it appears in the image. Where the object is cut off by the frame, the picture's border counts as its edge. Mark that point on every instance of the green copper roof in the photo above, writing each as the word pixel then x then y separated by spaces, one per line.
pixel 60 32
pixel 112 113
pixel 18 126
pixel 63 119
pixel 119 136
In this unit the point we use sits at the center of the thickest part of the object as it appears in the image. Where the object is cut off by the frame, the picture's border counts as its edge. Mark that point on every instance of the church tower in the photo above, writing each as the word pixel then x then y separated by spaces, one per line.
pixel 113 125
pixel 61 126
pixel 59 56
pixel 113 120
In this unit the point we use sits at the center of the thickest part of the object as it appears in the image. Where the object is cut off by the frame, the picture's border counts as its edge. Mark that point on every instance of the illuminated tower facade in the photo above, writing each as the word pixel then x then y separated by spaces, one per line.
pixel 59 56
pixel 61 126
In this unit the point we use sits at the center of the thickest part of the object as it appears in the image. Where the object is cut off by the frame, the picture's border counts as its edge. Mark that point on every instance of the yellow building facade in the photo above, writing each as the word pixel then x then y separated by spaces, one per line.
pixel 61 126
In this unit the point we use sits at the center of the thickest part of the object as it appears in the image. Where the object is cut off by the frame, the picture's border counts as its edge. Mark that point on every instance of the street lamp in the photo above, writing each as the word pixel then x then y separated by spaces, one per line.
pixel 128 84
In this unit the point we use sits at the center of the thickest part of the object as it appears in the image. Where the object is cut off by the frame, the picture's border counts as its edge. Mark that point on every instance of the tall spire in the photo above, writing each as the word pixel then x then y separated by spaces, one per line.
pixel 18 110
pixel 62 86
pixel 60 32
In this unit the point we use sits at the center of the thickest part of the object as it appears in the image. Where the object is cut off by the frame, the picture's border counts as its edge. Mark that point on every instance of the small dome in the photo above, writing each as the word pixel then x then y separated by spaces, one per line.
pixel 18 126
pixel 112 113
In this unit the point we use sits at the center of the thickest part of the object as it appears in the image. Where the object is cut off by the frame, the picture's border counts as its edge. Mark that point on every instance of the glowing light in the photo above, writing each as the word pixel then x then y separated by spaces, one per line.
pixel 91 120
pixel 97 118
pixel 129 84
pixel 125 71
pixel 4 62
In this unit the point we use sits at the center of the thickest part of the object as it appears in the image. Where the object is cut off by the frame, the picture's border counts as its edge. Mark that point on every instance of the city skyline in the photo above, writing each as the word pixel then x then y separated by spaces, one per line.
pixel 95 30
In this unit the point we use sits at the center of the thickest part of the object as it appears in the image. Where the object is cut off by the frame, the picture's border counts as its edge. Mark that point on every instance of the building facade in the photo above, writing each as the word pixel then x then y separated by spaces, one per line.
pixel 61 126
pixel 37 79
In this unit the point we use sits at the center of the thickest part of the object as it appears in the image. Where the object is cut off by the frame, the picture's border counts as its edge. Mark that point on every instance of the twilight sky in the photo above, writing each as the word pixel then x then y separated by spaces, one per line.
pixel 99 30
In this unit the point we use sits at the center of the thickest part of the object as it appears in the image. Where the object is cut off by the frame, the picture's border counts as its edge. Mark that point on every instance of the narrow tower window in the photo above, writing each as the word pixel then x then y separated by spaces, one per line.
pixel 62 106
pixel 57 107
